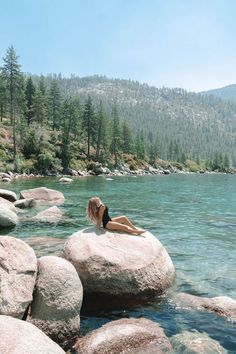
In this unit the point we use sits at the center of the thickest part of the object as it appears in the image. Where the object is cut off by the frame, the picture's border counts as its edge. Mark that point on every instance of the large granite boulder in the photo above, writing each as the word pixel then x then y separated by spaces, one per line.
pixel 43 195
pixel 9 195
pixel 7 204
pixel 222 305
pixel 51 215
pixel 18 270
pixel 7 217
pixel 20 337
pixel 122 268
pixel 196 343
pixel 125 336
pixel 57 300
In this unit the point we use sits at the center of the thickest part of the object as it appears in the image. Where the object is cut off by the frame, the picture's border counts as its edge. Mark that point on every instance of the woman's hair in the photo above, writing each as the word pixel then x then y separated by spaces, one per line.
pixel 92 208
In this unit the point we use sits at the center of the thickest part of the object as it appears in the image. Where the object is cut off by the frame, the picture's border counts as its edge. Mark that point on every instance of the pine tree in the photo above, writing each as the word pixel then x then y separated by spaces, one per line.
pixel 127 138
pixel 88 122
pixel 68 116
pixel 29 97
pixel 115 133
pixel 101 131
pixel 54 105
pixel 14 87
pixel 39 107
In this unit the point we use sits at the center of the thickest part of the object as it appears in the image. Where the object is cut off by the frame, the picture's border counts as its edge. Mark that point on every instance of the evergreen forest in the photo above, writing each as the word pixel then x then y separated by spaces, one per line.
pixel 51 124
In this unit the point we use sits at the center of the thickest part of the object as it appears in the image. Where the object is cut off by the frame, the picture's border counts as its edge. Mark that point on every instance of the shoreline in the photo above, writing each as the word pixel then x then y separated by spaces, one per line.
pixel 10 176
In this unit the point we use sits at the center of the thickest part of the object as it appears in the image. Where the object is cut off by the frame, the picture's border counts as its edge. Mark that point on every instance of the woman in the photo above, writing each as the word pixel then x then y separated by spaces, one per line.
pixel 97 212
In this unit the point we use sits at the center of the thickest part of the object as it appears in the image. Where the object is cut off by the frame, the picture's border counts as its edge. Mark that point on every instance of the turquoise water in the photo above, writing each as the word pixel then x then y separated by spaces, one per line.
pixel 194 216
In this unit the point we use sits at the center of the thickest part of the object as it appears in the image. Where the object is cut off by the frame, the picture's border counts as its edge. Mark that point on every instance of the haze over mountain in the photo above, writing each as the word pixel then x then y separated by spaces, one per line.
pixel 226 93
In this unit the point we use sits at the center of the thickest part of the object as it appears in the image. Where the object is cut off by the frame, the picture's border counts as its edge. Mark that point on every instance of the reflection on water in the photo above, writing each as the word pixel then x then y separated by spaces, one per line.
pixel 194 216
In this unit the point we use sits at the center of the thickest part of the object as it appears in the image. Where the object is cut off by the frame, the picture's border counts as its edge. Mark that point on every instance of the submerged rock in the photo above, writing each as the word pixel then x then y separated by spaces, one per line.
pixel 46 245
pixel 123 268
pixel 125 336
pixel 51 215
pixel 43 194
pixel 7 217
pixel 24 203
pixel 18 267
pixel 20 337
pixel 65 180
pixel 196 343
pixel 222 305
pixel 57 300
pixel 9 195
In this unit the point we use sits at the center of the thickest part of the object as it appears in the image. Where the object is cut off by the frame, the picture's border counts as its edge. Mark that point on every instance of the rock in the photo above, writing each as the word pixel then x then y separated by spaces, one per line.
pixel 99 169
pixel 6 179
pixel 5 203
pixel 51 215
pixel 65 180
pixel 18 267
pixel 195 342
pixel 5 175
pixel 7 217
pixel 166 172
pixel 24 203
pixel 117 268
pixel 125 336
pixel 20 337
pixel 57 300
pixel 43 194
pixel 9 195
pixel 222 305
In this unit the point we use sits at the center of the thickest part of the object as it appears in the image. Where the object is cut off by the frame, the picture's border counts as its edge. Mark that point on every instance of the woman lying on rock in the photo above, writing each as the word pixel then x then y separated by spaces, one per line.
pixel 97 212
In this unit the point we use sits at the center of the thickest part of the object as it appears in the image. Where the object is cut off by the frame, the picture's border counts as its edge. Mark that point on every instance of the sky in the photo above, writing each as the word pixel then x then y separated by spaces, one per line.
pixel 173 43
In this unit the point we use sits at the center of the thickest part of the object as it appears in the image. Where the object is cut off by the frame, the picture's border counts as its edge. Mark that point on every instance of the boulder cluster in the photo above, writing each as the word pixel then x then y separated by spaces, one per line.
pixel 41 298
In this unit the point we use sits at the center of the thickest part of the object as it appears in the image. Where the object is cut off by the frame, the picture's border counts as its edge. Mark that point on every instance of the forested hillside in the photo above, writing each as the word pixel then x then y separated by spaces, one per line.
pixel 178 121
pixel 51 123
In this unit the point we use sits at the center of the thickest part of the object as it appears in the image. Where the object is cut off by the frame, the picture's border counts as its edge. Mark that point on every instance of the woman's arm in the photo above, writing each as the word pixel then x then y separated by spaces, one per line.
pixel 100 215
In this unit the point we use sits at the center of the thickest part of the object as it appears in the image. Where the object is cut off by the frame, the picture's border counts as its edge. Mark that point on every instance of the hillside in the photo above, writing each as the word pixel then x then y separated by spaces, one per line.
pixel 198 125
pixel 227 93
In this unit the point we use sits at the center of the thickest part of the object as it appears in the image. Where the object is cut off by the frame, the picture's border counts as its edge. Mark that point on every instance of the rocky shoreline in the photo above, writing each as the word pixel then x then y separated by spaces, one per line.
pixel 98 169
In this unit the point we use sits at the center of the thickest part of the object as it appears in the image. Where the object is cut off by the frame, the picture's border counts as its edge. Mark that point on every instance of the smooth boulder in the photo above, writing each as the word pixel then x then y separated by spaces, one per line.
pixel 7 217
pixel 123 268
pixel 43 195
pixel 196 343
pixel 51 215
pixel 18 271
pixel 125 336
pixel 20 337
pixel 9 195
pixel 6 203
pixel 57 300
pixel 222 305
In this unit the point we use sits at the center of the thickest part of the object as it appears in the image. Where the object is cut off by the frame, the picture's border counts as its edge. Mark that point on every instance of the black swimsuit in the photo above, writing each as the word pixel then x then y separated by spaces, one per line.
pixel 105 218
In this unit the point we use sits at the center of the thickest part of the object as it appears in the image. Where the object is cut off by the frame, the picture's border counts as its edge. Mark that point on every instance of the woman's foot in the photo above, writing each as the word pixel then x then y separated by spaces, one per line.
pixel 139 231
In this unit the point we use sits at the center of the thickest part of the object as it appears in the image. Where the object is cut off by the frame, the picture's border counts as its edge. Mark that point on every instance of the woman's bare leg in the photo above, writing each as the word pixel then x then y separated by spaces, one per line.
pixel 116 226
pixel 124 220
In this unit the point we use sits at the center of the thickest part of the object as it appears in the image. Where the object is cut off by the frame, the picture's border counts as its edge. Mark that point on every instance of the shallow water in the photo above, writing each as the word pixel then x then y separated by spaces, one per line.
pixel 194 216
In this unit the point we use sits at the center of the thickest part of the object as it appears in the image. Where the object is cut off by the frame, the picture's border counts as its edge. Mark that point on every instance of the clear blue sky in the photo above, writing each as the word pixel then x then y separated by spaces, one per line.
pixel 173 43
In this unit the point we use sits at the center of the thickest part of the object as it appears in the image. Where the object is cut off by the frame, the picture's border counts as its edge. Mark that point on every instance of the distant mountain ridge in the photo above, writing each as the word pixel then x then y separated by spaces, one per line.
pixel 225 93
